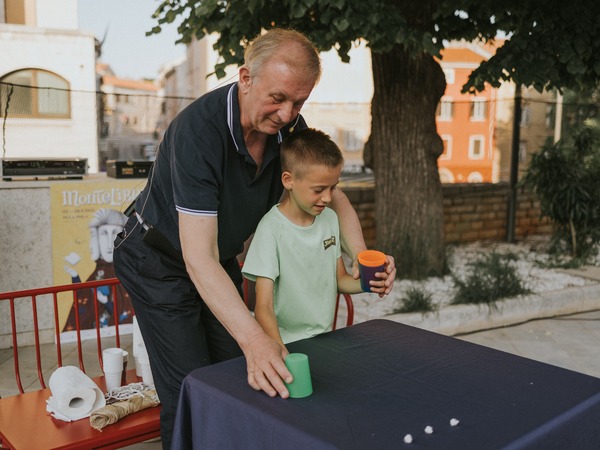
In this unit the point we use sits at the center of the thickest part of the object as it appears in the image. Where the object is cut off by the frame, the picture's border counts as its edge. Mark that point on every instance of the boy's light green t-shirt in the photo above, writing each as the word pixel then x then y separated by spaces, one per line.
pixel 302 262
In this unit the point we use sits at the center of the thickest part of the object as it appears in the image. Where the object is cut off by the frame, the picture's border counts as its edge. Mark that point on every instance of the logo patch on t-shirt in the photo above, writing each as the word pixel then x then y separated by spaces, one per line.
pixel 329 242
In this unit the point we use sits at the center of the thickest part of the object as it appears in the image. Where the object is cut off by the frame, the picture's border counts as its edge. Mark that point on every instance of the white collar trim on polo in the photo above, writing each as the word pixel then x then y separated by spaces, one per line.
pixel 230 115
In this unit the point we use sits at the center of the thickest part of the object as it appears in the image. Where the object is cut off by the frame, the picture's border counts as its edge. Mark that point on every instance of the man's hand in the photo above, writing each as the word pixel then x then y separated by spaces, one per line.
pixel 387 278
pixel 266 367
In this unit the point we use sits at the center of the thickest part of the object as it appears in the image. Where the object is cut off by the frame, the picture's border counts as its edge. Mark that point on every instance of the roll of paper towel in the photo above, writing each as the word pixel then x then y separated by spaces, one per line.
pixel 74 394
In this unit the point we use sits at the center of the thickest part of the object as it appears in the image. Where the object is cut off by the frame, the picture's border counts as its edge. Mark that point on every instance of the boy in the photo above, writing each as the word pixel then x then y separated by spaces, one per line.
pixel 295 256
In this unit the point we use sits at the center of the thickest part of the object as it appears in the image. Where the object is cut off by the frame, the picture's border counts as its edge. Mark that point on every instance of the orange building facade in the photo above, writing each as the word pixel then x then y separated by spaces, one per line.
pixel 466 122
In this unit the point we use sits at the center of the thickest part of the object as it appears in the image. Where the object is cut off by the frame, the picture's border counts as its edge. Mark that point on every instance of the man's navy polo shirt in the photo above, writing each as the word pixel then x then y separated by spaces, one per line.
pixel 203 168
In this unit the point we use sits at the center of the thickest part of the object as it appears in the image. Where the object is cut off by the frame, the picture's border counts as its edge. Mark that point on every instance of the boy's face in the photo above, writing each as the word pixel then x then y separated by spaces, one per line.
pixel 312 192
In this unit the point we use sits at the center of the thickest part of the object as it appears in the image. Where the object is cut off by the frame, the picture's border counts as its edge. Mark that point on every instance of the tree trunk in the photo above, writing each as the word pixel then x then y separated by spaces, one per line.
pixel 403 150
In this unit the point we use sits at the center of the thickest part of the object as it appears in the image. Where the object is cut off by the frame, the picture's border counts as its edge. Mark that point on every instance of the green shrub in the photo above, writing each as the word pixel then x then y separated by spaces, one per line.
pixel 566 178
pixel 416 300
pixel 488 279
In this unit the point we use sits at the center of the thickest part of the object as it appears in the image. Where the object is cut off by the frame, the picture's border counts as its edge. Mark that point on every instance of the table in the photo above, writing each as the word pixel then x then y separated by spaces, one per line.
pixel 378 381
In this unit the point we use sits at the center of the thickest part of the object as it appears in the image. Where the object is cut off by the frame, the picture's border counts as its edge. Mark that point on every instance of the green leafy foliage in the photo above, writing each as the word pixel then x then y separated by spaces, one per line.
pixel 549 43
pixel 489 278
pixel 552 44
pixel 416 300
pixel 566 178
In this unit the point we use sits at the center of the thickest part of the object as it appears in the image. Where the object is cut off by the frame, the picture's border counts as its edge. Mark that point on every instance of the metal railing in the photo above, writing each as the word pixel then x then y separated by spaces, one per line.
pixel 33 295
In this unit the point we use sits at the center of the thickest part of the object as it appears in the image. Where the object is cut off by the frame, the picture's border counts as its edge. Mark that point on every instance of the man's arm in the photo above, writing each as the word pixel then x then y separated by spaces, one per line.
pixel 351 235
pixel 353 241
pixel 264 310
pixel 264 357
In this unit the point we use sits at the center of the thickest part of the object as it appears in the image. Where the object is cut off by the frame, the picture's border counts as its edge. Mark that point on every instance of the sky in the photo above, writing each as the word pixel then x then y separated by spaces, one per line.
pixel 127 50
pixel 133 55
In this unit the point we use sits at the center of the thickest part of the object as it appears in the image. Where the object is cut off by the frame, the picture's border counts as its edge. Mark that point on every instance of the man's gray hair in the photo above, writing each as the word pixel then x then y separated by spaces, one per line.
pixel 293 47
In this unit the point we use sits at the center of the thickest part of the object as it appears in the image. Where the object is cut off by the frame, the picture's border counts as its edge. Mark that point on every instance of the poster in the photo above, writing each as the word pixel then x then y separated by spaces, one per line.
pixel 86 217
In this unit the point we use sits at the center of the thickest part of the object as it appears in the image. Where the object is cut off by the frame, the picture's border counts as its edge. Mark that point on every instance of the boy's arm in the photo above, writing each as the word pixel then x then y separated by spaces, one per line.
pixel 264 310
pixel 346 284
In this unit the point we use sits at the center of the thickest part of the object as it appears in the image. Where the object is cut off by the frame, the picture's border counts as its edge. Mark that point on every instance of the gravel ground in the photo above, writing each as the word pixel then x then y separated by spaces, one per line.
pixel 531 254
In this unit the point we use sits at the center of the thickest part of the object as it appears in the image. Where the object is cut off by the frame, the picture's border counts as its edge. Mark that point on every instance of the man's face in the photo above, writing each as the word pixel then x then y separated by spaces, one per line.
pixel 273 98
pixel 106 238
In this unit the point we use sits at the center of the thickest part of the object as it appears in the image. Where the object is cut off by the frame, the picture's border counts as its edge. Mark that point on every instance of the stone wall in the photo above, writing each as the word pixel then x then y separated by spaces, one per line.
pixel 472 212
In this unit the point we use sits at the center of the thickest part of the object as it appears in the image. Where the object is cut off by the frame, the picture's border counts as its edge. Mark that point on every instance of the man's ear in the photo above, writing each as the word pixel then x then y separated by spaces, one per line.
pixel 244 79
pixel 287 180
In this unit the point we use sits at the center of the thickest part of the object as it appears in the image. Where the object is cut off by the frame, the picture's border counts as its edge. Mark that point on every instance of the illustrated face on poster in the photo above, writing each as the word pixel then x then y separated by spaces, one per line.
pixel 106 236
pixel 86 218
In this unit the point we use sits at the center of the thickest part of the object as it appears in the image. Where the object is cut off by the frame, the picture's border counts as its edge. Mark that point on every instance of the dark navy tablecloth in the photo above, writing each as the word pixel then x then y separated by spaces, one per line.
pixel 378 381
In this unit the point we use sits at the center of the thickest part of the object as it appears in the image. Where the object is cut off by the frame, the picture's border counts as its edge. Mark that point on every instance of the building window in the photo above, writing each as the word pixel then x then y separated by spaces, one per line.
pixel 450 75
pixel 445 109
pixel 350 141
pixel 35 93
pixel 332 132
pixel 550 116
pixel 525 115
pixel 447 141
pixel 476 147
pixel 478 109
pixel 522 151
pixel 445 175
pixel 475 177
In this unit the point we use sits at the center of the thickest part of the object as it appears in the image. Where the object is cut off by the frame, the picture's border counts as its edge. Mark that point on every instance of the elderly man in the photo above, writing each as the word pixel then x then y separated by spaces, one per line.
pixel 217 172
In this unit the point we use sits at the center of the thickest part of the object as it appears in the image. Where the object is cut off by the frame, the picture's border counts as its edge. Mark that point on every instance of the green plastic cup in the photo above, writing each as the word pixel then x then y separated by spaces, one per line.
pixel 301 386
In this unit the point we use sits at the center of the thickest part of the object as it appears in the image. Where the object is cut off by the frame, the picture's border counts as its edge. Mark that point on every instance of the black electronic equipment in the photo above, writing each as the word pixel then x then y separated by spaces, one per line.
pixel 43 168
pixel 128 168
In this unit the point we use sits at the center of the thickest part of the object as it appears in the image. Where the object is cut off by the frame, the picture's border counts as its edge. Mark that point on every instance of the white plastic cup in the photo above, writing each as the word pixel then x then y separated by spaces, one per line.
pixel 124 373
pixel 138 367
pixel 113 379
pixel 137 336
pixel 138 346
pixel 136 351
pixel 112 360
pixel 147 377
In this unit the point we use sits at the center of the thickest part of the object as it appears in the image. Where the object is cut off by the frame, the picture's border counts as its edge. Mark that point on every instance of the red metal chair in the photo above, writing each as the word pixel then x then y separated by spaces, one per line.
pixel 349 310
pixel 249 300
pixel 24 422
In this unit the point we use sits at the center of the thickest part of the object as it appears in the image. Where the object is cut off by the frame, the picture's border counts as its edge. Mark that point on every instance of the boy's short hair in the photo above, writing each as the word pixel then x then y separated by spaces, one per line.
pixel 307 147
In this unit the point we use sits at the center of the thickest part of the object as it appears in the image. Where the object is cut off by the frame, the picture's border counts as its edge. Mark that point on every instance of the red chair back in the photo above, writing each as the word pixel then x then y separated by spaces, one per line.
pixel 28 302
